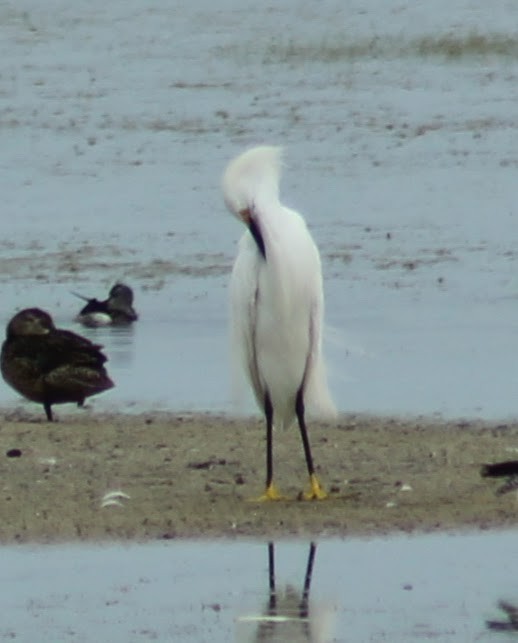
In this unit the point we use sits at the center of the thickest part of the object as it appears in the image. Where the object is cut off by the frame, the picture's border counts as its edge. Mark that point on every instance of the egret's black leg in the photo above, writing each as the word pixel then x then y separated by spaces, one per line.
pixel 299 409
pixel 271 492
pixel 316 493
pixel 48 410
pixel 268 413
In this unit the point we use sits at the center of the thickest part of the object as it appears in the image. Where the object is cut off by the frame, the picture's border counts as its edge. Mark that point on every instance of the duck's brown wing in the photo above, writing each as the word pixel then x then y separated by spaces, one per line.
pixel 63 347
pixel 74 367
pixel 74 383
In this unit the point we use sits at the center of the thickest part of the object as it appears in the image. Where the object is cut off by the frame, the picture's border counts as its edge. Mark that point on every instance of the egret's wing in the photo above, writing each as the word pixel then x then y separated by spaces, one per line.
pixel 243 298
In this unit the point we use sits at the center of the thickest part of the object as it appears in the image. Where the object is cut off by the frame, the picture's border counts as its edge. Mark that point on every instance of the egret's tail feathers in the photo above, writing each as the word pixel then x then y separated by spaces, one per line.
pixel 251 177
pixel 319 402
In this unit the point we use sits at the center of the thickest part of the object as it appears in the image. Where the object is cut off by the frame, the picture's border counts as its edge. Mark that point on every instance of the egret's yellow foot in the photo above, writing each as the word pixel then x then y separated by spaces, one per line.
pixel 271 493
pixel 316 493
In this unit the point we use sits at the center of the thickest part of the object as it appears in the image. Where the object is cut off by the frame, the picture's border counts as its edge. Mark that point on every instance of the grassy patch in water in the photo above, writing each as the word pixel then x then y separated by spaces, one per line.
pixel 340 48
pixel 473 44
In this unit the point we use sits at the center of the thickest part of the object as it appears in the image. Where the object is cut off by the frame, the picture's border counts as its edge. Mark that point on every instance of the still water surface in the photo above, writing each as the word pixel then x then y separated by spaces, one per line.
pixel 429 587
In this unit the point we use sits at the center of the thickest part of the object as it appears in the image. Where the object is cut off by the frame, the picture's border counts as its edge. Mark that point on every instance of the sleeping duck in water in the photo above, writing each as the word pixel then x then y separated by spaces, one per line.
pixel 49 365
pixel 116 310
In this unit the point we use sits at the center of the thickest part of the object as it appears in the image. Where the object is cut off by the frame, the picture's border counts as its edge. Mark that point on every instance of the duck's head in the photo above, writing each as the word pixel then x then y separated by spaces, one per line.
pixel 121 293
pixel 30 321
pixel 120 302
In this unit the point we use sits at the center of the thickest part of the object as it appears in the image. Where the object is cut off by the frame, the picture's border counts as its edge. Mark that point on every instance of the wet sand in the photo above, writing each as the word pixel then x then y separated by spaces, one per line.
pixel 196 475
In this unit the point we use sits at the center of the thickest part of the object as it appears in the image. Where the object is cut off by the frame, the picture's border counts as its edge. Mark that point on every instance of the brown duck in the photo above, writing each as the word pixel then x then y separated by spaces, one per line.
pixel 49 365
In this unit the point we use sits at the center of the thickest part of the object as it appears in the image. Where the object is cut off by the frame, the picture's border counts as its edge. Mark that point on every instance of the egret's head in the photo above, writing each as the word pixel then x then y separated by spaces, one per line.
pixel 250 178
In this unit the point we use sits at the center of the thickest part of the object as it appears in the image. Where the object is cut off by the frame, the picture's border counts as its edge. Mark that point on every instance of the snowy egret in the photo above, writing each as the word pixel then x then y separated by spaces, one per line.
pixel 49 365
pixel 116 310
pixel 276 304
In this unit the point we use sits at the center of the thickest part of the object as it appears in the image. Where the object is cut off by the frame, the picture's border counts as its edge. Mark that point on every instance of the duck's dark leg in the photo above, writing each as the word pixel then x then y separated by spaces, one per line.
pixel 316 493
pixel 271 492
pixel 48 410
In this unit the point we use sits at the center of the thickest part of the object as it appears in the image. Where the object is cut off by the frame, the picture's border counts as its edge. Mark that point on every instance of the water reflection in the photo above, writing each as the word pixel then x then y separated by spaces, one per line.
pixel 118 343
pixel 405 589
pixel 287 615
pixel 508 625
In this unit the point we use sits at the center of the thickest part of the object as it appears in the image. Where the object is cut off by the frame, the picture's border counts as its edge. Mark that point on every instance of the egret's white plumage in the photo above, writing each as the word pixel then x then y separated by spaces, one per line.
pixel 276 293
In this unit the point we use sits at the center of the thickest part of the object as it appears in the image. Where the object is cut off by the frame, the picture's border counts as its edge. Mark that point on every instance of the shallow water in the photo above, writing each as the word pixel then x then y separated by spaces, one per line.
pixel 440 587
pixel 404 164
pixel 385 361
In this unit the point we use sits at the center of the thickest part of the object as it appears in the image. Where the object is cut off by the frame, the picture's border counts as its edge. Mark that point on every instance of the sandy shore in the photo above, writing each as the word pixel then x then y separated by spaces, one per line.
pixel 195 475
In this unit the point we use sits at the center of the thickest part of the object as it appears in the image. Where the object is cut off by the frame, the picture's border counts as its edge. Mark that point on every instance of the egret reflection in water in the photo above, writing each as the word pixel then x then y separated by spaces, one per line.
pixel 288 615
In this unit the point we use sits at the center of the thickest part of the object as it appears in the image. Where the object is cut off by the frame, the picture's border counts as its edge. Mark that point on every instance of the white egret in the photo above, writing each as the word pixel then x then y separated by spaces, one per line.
pixel 276 304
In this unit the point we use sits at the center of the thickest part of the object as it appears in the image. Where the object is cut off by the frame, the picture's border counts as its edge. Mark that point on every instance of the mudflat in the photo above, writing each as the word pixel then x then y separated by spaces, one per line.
pixel 173 475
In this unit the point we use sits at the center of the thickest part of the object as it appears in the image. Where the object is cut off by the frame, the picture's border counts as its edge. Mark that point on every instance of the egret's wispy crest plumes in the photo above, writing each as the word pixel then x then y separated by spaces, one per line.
pixel 252 179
